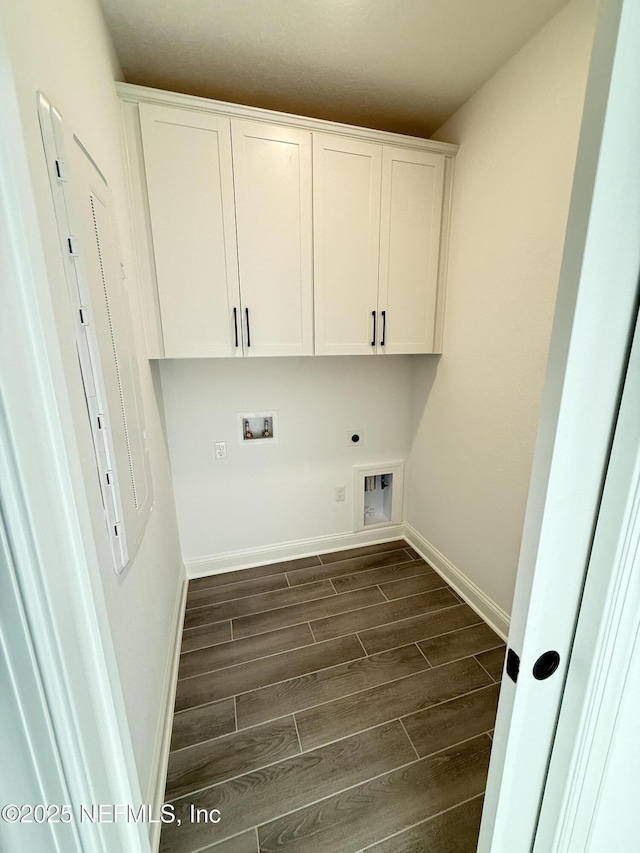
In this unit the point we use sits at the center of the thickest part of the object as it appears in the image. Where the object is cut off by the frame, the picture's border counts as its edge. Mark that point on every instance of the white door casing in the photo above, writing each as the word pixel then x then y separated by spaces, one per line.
pixel 595 313
pixel 592 788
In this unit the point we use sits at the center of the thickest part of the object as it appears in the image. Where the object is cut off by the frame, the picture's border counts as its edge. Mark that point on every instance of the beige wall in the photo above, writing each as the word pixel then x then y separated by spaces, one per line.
pixel 263 496
pixel 476 408
pixel 63 49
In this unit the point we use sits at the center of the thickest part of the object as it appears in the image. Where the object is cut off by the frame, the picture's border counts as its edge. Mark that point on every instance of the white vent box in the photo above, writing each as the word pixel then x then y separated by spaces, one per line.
pixel 378 491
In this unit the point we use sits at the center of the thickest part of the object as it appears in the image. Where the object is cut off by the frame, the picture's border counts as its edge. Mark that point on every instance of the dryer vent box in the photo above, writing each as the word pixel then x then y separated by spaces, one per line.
pixel 379 491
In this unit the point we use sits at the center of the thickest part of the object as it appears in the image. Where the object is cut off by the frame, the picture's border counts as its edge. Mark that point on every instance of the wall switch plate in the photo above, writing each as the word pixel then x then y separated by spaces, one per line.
pixel 221 449
pixel 355 437
pixel 340 490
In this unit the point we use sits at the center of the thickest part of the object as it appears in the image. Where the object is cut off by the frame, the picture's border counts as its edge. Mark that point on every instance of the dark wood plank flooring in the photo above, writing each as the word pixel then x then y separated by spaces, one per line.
pixel 333 704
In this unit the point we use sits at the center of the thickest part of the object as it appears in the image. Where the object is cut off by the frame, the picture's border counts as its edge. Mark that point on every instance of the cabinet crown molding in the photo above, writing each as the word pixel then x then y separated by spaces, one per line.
pixel 142 94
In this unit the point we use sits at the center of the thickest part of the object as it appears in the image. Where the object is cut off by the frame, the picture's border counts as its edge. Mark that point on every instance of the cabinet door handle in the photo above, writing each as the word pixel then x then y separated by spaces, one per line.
pixel 235 324
pixel 246 311
pixel 384 327
pixel 373 342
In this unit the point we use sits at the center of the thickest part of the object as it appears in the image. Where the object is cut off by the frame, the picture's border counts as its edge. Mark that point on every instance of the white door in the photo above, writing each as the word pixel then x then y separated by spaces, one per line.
pixel 589 350
pixel 346 209
pixel 272 172
pixel 412 188
pixel 593 787
pixel 187 160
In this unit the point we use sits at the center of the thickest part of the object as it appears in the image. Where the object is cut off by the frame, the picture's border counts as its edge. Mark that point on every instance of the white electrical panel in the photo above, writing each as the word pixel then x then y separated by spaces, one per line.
pixel 106 348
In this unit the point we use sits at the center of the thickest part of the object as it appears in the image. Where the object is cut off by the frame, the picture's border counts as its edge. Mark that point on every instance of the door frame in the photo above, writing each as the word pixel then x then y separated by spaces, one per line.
pixel 605 648
pixel 591 339
pixel 606 645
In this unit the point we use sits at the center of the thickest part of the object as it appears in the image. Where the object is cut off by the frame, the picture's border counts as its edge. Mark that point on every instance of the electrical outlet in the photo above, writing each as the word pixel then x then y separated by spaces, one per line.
pixel 221 449
pixel 340 493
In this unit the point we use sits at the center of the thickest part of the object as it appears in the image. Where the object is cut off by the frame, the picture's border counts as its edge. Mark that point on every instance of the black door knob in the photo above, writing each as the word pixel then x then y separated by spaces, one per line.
pixel 546 665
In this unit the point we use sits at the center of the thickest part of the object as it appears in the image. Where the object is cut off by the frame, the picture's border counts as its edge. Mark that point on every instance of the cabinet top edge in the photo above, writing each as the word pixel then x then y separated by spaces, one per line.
pixel 133 93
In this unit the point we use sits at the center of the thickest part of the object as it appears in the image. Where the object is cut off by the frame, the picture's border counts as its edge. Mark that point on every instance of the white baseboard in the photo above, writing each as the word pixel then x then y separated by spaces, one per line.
pixel 231 560
pixel 155 796
pixel 484 606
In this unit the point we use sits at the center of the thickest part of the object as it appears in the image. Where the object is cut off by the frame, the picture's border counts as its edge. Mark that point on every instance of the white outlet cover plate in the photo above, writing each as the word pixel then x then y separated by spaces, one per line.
pixel 350 435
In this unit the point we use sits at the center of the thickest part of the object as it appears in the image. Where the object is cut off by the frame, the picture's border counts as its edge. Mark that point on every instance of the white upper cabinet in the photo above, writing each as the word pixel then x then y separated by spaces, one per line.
pixel 346 209
pixel 263 234
pixel 230 210
pixel 412 195
pixel 272 172
pixel 187 160
pixel 377 226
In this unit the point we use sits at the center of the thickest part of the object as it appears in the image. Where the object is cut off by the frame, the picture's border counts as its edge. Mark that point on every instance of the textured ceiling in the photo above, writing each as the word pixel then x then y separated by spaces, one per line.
pixel 399 65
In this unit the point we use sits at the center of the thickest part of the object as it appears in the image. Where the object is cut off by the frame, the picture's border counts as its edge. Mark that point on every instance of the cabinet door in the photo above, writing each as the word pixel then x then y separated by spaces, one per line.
pixel 346 207
pixel 187 158
pixel 272 172
pixel 412 188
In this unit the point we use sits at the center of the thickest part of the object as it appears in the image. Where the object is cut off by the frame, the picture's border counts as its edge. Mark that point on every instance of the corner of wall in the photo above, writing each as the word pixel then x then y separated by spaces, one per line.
pixel 493 614
pixel 475 416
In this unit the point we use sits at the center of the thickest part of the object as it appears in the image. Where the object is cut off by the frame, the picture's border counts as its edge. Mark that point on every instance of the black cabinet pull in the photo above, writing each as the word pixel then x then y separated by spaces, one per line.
pixel 235 324
pixel 246 310
pixel 373 342
pixel 384 327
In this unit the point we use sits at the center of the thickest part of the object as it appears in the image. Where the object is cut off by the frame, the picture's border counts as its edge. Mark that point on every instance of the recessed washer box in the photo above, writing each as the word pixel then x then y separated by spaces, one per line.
pixel 257 428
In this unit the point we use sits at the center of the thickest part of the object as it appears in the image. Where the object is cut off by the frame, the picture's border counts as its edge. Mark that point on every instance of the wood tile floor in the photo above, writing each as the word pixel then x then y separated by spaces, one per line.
pixel 332 704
